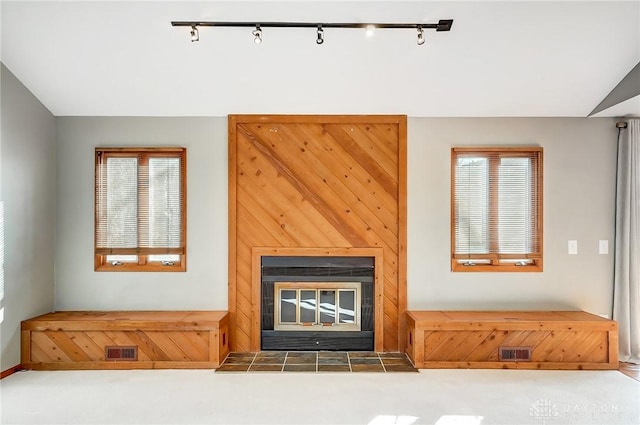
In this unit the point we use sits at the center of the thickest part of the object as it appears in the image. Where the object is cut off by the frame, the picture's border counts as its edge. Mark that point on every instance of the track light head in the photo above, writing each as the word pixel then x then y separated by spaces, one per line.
pixel 257 35
pixel 195 35
pixel 369 30
pixel 420 36
pixel 320 35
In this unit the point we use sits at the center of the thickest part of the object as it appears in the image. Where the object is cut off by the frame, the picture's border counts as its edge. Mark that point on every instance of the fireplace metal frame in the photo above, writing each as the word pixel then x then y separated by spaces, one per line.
pixel 377 253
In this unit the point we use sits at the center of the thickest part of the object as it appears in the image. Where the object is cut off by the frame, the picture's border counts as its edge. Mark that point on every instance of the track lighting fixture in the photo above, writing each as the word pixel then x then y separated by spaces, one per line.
pixel 195 36
pixel 257 35
pixel 369 30
pixel 420 37
pixel 320 35
pixel 441 25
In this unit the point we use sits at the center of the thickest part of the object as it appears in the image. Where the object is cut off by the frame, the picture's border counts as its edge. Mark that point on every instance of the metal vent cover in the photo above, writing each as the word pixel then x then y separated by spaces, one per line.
pixel 515 354
pixel 121 353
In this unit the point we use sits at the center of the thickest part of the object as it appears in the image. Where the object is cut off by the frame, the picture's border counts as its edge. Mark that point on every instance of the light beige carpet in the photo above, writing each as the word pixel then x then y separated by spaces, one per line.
pixel 442 397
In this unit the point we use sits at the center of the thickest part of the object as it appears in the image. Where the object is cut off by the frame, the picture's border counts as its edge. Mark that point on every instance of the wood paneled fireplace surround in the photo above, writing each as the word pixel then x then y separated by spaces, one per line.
pixel 314 187
pixel 327 193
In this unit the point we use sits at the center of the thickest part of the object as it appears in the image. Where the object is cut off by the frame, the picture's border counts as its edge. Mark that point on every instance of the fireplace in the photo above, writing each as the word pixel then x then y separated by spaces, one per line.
pixel 317 303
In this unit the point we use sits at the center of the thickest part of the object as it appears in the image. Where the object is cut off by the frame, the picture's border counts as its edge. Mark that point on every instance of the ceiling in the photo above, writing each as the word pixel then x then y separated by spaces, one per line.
pixel 509 58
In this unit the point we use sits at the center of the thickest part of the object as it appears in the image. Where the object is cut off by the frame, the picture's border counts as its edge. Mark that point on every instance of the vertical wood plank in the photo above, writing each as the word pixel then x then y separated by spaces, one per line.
pixel 214 354
pixel 255 299
pixel 25 346
pixel 379 301
pixel 419 344
pixel 613 346
pixel 223 337
pixel 402 230
pixel 232 228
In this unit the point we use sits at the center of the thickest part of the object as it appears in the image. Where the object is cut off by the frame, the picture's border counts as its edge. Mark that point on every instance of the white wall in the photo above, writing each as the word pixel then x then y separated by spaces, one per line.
pixel 28 190
pixel 204 285
pixel 579 166
pixel 579 186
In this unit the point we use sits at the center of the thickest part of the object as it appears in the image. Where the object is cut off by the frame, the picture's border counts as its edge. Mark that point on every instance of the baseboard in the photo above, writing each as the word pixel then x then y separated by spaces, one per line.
pixel 10 371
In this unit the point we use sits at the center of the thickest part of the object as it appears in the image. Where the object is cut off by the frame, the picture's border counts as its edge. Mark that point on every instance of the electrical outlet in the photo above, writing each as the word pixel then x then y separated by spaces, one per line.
pixel 573 247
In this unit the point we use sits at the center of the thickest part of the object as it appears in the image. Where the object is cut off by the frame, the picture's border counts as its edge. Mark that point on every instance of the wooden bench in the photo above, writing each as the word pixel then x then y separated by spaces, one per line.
pixel 125 340
pixel 507 339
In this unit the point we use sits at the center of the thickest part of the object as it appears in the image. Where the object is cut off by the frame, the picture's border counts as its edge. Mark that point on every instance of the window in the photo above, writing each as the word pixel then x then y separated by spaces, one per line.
pixel 496 212
pixel 140 214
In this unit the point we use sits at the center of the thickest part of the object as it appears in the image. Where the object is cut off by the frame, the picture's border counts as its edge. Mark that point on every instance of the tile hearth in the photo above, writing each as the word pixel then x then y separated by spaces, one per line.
pixel 316 361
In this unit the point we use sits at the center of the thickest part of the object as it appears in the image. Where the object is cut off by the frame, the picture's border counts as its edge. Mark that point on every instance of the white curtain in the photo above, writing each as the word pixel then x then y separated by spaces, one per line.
pixel 626 301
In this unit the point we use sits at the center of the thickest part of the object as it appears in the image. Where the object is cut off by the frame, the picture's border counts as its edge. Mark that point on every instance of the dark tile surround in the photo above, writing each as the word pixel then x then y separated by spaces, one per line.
pixel 316 361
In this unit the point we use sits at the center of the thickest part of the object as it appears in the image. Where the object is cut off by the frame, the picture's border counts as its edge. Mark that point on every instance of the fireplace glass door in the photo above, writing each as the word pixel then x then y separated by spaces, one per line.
pixel 331 306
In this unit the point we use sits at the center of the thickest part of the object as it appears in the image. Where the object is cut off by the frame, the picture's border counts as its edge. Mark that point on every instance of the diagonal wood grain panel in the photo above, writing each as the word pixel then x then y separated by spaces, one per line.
pixel 88 346
pixel 316 182
pixel 547 346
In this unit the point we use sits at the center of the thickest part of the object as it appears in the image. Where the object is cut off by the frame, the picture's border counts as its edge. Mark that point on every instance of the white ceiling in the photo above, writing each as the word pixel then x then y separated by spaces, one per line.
pixel 509 58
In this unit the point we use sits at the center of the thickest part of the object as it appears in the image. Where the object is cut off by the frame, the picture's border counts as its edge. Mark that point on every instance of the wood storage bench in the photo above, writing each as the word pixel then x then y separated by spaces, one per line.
pixel 507 339
pixel 125 340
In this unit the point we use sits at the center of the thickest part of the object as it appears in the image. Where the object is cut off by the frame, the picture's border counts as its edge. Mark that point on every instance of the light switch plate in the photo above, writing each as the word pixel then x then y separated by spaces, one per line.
pixel 573 247
pixel 603 246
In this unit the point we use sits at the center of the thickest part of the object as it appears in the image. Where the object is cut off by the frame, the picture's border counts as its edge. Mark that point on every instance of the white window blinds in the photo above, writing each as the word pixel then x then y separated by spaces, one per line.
pixel 497 206
pixel 140 197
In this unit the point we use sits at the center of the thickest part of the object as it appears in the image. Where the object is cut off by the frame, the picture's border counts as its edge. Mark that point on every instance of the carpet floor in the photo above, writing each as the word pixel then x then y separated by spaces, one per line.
pixel 441 397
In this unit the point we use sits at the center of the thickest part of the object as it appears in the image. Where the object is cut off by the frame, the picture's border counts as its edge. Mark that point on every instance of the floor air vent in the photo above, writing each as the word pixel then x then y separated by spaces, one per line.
pixel 515 354
pixel 121 353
